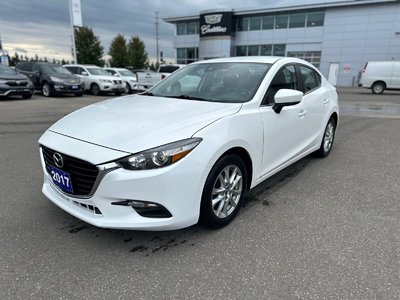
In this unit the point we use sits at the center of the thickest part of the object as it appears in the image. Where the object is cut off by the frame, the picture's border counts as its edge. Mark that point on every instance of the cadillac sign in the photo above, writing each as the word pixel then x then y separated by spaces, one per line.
pixel 216 24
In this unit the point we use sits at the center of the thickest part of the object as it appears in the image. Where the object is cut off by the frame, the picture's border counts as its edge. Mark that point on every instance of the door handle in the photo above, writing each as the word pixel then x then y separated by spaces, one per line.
pixel 302 113
pixel 325 101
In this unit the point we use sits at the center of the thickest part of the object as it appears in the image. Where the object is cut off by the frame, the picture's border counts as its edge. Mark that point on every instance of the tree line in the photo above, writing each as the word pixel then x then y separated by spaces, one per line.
pixel 125 53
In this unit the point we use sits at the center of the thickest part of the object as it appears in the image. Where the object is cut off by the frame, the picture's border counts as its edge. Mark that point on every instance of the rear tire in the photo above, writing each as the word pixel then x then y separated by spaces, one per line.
pixel 327 139
pixel 378 88
pixel 223 192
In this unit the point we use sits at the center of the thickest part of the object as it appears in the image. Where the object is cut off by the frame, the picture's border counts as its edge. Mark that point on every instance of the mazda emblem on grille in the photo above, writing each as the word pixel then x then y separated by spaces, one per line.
pixel 58 160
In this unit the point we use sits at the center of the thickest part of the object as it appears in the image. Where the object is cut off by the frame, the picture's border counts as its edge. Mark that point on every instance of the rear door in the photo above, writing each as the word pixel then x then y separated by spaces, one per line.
pixel 316 99
pixel 395 81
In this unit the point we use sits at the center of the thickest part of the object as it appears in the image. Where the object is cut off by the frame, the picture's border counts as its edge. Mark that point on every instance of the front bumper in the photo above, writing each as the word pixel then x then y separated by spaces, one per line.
pixel 177 188
pixel 15 91
pixel 112 88
pixel 64 88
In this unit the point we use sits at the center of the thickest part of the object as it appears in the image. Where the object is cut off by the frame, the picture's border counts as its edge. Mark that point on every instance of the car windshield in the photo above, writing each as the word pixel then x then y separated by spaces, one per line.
pixel 98 71
pixel 126 73
pixel 219 82
pixel 49 69
pixel 6 70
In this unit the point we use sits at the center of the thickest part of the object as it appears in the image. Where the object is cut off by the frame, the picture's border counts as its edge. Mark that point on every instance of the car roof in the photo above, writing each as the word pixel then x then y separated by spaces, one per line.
pixel 249 59
pixel 79 65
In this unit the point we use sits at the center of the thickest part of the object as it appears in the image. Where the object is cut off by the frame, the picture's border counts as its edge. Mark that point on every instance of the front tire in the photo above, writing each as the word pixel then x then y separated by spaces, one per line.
pixel 95 89
pixel 27 96
pixel 378 88
pixel 223 192
pixel 327 139
pixel 46 90
pixel 127 88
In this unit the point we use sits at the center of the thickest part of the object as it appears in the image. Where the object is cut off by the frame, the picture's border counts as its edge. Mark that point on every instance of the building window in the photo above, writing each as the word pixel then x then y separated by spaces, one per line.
pixel 255 23
pixel 181 28
pixel 241 51
pixel 243 24
pixel 281 21
pixel 292 20
pixel 191 28
pixel 297 20
pixel 264 50
pixel 268 22
pixel 315 19
pixel 253 50
pixel 185 28
pixel 187 55
pixel 313 57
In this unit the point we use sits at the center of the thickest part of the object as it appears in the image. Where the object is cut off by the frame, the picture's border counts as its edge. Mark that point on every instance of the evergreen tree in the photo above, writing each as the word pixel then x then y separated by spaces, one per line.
pixel 137 55
pixel 118 52
pixel 88 47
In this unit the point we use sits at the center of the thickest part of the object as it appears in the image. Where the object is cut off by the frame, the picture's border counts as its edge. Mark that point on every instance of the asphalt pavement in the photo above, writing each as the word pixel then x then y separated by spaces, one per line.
pixel 321 229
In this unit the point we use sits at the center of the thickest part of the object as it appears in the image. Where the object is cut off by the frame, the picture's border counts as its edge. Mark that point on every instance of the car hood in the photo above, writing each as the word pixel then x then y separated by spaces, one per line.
pixel 105 77
pixel 13 77
pixel 136 123
pixel 65 76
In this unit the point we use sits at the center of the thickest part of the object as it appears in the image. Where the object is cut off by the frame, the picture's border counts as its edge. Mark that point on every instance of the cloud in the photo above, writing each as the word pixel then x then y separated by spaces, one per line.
pixel 43 26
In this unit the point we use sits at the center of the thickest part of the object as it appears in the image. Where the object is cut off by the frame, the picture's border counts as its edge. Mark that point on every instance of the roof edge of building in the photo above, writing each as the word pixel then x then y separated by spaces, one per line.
pixel 279 9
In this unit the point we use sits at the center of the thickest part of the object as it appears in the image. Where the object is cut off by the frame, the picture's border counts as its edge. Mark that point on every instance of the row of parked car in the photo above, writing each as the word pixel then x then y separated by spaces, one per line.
pixel 53 79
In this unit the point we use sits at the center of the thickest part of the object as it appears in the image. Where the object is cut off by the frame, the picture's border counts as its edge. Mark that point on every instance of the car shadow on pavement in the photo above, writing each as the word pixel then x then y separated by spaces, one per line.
pixel 149 242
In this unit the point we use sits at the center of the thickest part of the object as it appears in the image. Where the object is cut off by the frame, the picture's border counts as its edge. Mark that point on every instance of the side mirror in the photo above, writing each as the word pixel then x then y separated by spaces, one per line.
pixel 116 75
pixel 286 97
pixel 84 73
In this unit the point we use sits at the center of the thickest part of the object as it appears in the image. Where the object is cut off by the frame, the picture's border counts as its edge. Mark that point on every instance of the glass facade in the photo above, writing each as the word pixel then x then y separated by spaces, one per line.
pixel 187 55
pixel 313 57
pixel 280 21
pixel 261 50
pixel 190 27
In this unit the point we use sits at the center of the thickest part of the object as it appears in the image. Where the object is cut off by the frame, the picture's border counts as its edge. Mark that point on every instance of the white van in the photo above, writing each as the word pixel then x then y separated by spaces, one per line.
pixel 381 75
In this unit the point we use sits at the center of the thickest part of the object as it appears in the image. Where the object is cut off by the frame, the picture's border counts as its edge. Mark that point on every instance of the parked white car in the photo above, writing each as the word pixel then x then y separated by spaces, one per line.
pixel 97 80
pixel 127 76
pixel 381 75
pixel 167 70
pixel 183 151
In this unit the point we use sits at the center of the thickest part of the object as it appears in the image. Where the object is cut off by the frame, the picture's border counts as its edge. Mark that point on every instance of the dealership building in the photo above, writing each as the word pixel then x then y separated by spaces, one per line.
pixel 337 37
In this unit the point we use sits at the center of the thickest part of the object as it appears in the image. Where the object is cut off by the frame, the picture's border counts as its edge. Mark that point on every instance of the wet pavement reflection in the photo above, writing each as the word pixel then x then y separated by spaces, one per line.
pixel 367 109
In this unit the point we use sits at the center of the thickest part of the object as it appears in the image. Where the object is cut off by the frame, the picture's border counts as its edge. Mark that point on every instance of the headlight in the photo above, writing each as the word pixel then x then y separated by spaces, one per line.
pixel 159 157
pixel 105 80
pixel 3 81
pixel 55 79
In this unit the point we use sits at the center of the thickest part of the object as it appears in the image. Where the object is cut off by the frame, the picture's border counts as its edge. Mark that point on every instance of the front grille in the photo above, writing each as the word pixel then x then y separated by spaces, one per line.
pixel 83 174
pixel 71 81
pixel 17 82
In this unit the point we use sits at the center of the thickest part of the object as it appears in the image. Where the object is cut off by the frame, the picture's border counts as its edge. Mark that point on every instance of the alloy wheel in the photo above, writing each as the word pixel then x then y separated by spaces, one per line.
pixel 328 137
pixel 227 191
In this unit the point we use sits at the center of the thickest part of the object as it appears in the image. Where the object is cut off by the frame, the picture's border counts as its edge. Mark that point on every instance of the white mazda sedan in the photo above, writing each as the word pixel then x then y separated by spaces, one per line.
pixel 188 148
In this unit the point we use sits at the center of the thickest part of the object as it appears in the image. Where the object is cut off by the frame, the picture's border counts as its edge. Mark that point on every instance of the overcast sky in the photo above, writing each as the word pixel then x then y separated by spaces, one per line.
pixel 43 26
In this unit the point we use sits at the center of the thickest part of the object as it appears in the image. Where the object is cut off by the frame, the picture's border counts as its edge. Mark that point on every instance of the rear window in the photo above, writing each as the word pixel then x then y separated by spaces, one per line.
pixel 168 69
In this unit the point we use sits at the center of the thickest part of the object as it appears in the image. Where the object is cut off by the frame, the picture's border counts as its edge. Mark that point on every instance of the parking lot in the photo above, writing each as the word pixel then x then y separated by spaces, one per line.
pixel 321 229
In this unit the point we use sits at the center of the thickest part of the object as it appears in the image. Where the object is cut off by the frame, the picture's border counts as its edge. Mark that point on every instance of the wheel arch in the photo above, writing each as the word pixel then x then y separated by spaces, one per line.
pixel 245 156
pixel 379 81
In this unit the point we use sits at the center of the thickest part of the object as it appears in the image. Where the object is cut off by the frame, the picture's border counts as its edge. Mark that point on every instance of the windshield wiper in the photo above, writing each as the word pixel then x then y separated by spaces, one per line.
pixel 146 94
pixel 189 97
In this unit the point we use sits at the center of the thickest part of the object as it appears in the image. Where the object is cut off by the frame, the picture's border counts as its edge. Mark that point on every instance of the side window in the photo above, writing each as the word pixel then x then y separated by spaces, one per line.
pixel 311 78
pixel 112 72
pixel 35 68
pixel 285 78
pixel 79 70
